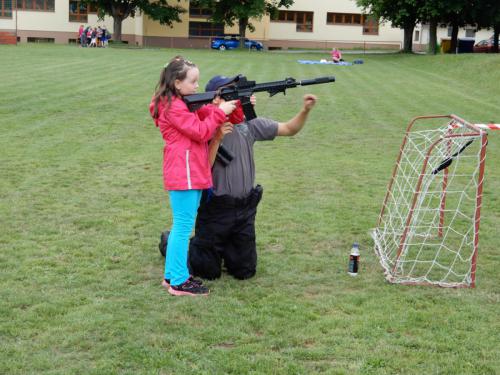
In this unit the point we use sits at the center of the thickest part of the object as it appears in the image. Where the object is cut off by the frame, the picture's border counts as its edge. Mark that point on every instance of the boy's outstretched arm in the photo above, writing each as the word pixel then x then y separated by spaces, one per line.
pixel 294 125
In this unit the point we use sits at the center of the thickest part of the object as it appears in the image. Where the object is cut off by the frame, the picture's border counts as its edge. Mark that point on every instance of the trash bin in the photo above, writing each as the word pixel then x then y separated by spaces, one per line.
pixel 465 45
pixel 445 45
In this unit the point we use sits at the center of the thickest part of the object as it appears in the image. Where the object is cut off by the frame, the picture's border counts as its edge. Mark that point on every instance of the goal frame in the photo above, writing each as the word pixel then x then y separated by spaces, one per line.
pixel 472 131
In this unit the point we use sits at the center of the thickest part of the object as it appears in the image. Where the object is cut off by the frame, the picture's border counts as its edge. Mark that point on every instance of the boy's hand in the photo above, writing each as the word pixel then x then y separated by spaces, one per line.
pixel 253 100
pixel 309 101
pixel 226 128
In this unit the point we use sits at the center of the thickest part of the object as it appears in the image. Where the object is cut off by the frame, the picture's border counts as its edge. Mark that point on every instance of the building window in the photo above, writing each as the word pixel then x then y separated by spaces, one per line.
pixel 205 29
pixel 370 25
pixel 40 40
pixel 284 15
pixel 303 20
pixel 92 8
pixel 77 11
pixel 41 5
pixel 344 19
pixel 196 11
pixel 5 8
pixel 417 36
pixel 470 33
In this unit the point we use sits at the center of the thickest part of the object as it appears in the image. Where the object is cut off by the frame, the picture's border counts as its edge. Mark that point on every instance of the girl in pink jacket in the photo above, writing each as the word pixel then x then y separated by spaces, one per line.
pixel 186 167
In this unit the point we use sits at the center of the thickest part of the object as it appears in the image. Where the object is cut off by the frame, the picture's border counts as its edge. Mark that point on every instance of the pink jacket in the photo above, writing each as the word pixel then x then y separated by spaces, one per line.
pixel 185 154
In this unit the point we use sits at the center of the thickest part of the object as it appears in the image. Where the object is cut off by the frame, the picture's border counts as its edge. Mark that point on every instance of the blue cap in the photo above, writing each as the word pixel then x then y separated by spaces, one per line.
pixel 219 81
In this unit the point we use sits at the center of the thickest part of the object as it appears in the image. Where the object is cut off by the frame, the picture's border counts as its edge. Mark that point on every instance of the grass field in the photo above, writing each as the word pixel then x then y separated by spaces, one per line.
pixel 82 207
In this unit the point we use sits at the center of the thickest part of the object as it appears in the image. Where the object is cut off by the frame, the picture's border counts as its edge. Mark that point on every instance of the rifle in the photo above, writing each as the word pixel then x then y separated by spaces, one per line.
pixel 242 89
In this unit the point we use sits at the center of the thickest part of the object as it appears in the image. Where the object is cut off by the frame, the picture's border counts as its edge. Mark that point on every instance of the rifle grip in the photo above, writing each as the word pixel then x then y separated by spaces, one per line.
pixel 248 108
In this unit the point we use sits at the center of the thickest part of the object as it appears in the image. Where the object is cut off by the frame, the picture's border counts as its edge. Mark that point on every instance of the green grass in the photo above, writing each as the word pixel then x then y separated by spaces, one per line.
pixel 82 207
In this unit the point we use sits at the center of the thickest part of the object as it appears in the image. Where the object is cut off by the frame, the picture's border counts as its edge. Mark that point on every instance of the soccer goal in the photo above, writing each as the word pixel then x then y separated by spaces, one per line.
pixel 428 227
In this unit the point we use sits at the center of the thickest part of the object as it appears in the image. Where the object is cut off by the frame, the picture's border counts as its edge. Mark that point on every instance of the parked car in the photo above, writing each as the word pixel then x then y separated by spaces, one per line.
pixel 233 41
pixel 484 46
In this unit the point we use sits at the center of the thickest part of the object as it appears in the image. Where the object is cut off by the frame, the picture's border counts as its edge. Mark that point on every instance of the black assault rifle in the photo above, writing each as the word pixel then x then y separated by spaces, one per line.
pixel 242 89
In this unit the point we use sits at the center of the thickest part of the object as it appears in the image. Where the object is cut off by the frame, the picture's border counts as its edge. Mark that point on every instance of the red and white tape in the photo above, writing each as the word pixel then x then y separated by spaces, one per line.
pixel 488 126
pixel 455 125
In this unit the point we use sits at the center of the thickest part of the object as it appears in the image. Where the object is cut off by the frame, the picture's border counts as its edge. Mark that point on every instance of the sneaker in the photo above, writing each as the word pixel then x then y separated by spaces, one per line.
pixel 163 242
pixel 195 281
pixel 166 282
pixel 188 288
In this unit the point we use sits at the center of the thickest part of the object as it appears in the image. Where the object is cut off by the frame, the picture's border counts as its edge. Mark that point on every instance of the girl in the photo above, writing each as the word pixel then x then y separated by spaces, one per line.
pixel 186 168
pixel 336 55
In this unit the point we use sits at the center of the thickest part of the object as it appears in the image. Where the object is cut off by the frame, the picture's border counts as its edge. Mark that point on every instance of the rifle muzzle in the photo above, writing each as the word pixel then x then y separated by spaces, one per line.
pixel 316 81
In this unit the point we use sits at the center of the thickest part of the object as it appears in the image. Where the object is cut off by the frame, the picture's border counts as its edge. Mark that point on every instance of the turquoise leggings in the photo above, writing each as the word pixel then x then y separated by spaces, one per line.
pixel 184 204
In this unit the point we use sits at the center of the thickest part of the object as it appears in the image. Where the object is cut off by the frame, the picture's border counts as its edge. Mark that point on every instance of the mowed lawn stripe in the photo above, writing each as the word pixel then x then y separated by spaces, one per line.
pixel 451 90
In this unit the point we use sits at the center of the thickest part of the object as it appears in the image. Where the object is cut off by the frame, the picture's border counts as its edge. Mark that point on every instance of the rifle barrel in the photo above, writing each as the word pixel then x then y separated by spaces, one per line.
pixel 316 81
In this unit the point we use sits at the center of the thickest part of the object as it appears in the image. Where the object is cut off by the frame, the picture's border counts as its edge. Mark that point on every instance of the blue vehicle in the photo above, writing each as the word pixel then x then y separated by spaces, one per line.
pixel 225 42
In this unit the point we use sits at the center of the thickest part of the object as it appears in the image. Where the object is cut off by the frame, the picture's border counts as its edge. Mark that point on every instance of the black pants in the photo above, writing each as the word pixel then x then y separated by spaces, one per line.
pixel 225 231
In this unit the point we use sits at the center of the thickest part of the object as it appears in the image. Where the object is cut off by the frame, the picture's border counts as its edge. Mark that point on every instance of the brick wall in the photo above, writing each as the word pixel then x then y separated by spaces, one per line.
pixel 7 37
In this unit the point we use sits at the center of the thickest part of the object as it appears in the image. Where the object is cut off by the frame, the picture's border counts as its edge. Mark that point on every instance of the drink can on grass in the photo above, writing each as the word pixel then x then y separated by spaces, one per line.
pixel 354 260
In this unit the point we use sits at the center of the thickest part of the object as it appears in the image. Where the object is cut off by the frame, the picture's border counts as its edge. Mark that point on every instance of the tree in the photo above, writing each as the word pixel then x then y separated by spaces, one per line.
pixel 431 12
pixel 158 10
pixel 228 12
pixel 401 13
pixel 437 12
pixel 487 15
pixel 457 13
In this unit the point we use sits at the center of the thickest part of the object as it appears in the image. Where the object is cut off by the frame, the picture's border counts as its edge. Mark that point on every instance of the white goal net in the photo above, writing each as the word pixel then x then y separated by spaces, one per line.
pixel 428 228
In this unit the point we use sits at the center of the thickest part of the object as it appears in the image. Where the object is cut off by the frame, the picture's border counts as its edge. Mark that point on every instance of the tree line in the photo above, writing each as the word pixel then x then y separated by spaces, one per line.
pixel 227 12
pixel 405 14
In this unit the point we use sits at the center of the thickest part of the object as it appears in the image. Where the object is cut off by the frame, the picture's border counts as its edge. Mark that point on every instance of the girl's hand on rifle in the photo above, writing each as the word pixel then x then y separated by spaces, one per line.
pixel 253 100
pixel 228 107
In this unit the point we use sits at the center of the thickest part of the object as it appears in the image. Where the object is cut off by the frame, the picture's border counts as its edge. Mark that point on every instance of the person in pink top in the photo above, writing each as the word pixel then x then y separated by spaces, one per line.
pixel 336 55
pixel 186 166
pixel 80 32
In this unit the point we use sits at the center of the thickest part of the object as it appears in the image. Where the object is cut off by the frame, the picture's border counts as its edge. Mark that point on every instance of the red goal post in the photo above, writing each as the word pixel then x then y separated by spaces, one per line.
pixel 428 228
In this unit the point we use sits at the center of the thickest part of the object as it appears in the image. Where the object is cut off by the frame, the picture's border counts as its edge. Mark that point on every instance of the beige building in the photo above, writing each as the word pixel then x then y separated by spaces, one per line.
pixel 306 24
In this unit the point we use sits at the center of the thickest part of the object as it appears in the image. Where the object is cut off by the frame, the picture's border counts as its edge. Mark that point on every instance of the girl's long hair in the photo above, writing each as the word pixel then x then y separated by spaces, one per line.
pixel 177 68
